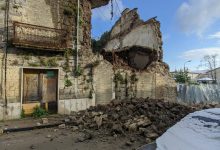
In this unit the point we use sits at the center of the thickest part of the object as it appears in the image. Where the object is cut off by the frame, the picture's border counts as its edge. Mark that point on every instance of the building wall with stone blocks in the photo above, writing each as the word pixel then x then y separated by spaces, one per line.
pixel 103 82
pixel 146 85
pixel 48 13
pixel 124 84
pixel 166 88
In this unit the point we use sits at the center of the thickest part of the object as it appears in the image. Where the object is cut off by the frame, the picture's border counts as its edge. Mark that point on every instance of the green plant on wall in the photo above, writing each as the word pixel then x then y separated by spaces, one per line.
pixel 67 82
pixel 33 64
pixel 52 62
pixel 119 78
pixel 66 65
pixel 78 71
pixel 81 21
pixel 133 78
pixel 22 113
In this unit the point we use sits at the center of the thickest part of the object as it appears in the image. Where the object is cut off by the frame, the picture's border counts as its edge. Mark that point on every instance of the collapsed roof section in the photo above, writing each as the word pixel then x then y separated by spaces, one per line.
pixel 99 3
pixel 136 42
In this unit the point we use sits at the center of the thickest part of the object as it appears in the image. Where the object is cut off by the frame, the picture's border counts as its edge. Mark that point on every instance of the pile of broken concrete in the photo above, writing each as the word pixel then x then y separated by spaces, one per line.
pixel 145 117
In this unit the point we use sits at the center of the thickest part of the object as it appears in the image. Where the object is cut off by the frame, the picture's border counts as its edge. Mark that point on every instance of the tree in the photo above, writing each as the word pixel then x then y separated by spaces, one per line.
pixel 97 45
pixel 210 61
pixel 182 76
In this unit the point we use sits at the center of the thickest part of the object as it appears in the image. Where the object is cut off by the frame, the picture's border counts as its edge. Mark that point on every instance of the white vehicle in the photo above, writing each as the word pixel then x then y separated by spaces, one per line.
pixel 197 131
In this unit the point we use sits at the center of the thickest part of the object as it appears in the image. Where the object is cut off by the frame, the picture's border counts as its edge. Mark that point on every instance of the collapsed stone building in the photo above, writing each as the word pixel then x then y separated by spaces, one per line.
pixel 134 52
pixel 47 59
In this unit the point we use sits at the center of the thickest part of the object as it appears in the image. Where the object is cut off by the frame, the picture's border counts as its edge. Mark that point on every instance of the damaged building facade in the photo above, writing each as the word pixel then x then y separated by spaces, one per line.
pixel 134 52
pixel 47 59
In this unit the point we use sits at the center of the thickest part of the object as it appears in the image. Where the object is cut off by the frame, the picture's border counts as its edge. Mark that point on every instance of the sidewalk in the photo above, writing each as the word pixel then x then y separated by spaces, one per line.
pixel 30 123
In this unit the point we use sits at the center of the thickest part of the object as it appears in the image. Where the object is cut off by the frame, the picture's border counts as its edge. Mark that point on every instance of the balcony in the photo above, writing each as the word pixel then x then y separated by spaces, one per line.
pixel 38 37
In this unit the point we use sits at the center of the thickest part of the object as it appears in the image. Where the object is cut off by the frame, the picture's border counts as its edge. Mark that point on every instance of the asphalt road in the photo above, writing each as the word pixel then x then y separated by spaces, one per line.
pixel 65 139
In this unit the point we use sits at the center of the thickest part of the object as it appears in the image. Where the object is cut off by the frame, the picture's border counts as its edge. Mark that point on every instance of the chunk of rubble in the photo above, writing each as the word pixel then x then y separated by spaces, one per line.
pixel 62 126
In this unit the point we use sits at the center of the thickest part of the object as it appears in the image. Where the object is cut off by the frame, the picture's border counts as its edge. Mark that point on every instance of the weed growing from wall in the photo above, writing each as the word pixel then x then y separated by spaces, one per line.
pixel 52 62
pixel 119 78
pixel 67 82
pixel 66 65
pixel 34 64
pixel 78 71
pixel 22 113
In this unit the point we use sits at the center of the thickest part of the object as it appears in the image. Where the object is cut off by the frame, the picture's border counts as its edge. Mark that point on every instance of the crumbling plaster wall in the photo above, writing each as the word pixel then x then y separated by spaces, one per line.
pixel 33 12
pixel 136 37
pixel 130 31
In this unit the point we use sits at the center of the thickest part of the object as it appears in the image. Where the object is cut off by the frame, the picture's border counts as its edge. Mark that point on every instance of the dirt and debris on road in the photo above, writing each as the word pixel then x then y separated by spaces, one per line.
pixel 119 125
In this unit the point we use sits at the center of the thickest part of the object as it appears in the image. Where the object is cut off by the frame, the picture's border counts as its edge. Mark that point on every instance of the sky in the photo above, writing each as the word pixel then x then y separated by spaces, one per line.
pixel 190 28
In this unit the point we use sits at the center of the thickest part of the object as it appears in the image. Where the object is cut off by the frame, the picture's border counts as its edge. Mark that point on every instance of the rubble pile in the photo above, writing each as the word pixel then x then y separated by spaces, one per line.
pixel 146 117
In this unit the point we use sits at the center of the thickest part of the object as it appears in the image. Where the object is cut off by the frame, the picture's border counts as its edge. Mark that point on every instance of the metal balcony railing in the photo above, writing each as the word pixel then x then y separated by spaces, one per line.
pixel 39 37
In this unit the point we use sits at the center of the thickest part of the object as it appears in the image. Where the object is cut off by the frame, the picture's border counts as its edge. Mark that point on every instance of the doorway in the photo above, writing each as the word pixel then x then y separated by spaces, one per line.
pixel 40 89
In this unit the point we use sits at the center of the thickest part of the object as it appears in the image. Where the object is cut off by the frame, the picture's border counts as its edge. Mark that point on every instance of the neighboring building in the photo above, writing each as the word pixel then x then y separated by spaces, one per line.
pixel 205 76
pixel 211 74
pixel 39 63
pixel 194 75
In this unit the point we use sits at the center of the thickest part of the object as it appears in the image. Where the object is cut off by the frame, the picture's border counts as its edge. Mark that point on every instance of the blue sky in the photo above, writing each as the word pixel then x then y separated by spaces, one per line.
pixel 190 28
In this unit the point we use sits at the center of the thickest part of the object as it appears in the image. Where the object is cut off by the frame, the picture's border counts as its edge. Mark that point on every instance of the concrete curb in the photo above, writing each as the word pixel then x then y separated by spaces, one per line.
pixel 29 128
pixel 8 130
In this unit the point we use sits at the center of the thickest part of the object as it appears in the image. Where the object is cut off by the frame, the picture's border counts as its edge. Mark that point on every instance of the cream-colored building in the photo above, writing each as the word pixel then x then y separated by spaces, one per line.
pixel 212 74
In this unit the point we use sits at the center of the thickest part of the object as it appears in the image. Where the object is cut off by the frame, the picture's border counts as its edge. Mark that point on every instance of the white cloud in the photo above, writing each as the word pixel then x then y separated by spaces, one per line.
pixel 198 54
pixel 196 16
pixel 215 35
pixel 104 13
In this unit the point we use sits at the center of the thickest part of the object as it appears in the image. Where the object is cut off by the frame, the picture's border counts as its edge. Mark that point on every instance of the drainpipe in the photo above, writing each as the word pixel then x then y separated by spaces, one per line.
pixel 6 35
pixel 77 34
pixel 77 46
